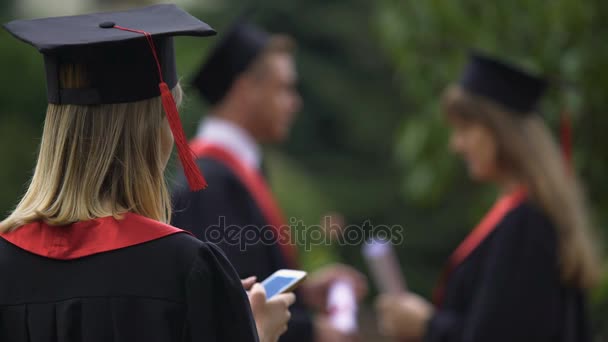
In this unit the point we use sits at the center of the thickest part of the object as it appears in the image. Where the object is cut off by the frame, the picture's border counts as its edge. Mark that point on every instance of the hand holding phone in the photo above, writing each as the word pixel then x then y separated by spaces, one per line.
pixel 271 315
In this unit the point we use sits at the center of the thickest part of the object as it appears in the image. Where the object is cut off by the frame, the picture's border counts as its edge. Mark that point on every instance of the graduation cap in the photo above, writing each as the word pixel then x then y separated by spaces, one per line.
pixel 507 85
pixel 124 56
pixel 234 53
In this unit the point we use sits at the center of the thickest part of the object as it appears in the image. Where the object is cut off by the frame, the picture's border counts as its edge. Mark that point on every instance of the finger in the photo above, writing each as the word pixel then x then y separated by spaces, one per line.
pixel 361 288
pixel 258 288
pixel 257 294
pixel 248 282
pixel 288 315
pixel 289 298
pixel 352 274
pixel 284 300
pixel 358 277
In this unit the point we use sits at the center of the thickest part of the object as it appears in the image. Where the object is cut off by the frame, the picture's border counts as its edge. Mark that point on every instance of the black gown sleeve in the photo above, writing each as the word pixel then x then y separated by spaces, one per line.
pixel 225 315
pixel 520 293
pixel 226 215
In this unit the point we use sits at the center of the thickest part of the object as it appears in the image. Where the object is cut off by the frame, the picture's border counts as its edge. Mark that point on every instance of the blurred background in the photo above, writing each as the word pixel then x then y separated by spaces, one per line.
pixel 370 142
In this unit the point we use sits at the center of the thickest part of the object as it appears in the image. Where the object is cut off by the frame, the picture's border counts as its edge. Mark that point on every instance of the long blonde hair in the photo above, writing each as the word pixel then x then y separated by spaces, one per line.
pixel 526 147
pixel 96 161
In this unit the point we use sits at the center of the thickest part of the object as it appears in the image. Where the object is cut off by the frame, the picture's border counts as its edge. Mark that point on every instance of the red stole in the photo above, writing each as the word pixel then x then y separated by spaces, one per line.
pixel 258 189
pixel 86 238
pixel 501 208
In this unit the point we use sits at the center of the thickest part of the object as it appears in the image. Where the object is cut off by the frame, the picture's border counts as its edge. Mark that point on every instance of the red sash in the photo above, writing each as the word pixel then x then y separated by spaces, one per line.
pixel 258 189
pixel 501 208
pixel 86 238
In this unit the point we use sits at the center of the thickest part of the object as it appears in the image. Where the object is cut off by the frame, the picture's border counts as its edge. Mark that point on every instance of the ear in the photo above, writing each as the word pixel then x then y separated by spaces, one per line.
pixel 244 87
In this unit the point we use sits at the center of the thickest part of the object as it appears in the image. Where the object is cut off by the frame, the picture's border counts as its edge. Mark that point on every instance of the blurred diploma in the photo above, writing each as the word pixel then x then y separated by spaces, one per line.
pixel 384 266
pixel 342 307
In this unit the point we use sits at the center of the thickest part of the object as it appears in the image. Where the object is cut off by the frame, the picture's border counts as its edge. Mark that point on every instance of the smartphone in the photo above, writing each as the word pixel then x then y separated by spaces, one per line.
pixel 282 281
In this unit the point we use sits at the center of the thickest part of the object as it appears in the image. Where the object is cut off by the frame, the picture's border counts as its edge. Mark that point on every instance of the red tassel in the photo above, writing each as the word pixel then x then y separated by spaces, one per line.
pixel 196 181
pixel 566 137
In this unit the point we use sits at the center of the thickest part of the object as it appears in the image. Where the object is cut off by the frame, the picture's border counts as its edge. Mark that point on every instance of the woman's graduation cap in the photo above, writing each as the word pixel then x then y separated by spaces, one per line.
pixel 507 85
pixel 233 54
pixel 514 88
pixel 125 56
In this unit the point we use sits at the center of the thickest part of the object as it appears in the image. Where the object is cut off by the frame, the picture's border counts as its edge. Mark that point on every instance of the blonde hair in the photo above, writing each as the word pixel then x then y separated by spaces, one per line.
pixel 526 147
pixel 96 161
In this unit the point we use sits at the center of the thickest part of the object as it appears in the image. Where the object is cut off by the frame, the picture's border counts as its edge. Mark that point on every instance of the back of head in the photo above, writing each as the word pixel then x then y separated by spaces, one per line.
pixel 97 160
pixel 105 141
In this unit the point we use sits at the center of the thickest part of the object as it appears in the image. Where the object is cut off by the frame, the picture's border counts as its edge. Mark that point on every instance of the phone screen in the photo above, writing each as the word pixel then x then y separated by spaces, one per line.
pixel 274 285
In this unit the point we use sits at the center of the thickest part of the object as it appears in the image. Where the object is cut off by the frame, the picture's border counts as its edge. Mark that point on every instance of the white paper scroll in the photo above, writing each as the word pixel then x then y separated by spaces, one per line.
pixel 342 307
pixel 384 266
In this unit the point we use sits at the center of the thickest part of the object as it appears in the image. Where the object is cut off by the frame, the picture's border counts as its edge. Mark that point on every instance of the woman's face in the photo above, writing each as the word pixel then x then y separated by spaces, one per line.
pixel 476 144
pixel 166 142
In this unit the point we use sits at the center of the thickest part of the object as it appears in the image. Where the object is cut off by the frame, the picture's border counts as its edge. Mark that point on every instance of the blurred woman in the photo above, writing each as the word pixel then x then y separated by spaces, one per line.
pixel 522 272
pixel 87 253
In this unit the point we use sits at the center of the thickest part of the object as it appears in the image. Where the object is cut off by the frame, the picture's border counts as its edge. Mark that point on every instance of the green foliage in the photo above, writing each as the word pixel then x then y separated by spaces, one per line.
pixel 22 106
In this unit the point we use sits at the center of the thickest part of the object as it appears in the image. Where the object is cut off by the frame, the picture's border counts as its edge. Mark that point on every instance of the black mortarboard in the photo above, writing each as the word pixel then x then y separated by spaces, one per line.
pixel 234 53
pixel 117 63
pixel 507 85
pixel 125 56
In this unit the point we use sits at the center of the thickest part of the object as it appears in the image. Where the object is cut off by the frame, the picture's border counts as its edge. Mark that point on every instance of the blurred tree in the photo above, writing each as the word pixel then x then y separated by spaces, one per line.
pixel 22 105
pixel 6 7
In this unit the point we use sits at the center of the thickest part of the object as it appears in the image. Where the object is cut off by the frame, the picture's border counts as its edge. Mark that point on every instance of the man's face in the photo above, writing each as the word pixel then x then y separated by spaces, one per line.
pixel 277 99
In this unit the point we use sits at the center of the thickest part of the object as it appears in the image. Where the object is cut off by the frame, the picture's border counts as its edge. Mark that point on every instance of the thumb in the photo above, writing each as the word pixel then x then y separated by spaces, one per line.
pixel 248 282
pixel 257 296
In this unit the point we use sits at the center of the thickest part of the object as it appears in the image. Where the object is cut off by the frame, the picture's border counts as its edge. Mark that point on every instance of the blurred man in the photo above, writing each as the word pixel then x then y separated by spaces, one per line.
pixel 250 82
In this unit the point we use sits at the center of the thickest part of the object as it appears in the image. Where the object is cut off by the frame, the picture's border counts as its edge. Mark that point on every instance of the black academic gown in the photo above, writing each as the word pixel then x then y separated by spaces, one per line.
pixel 71 288
pixel 508 289
pixel 227 203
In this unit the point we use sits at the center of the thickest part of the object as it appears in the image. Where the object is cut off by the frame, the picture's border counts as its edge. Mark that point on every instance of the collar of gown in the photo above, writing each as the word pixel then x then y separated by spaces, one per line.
pixel 87 238
pixel 233 138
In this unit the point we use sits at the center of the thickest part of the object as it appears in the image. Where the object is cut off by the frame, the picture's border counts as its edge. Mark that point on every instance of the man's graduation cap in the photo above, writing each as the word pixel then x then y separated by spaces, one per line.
pixel 507 85
pixel 125 57
pixel 233 54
